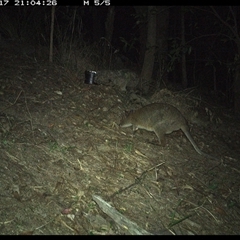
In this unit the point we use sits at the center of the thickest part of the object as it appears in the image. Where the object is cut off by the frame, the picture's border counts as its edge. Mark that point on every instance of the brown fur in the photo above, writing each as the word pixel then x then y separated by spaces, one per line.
pixel 160 118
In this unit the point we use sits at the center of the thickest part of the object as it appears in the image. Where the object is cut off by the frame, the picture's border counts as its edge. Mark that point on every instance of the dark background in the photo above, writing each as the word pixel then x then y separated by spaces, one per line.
pixel 211 53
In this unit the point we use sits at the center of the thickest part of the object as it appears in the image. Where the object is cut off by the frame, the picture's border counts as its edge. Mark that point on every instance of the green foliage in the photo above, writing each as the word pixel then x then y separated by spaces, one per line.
pixel 175 218
pixel 232 204
pixel 54 146
pixel 128 147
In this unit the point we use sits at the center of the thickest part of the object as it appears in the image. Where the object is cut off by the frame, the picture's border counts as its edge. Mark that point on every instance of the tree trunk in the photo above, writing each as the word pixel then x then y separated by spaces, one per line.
pixel 236 84
pixel 148 62
pixel 97 28
pixel 109 23
pixel 51 34
pixel 233 27
pixel 107 54
pixel 141 13
pixel 162 43
pixel 183 43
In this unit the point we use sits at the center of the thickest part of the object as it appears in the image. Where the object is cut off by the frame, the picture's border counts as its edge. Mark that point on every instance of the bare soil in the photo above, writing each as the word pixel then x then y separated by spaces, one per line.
pixel 61 144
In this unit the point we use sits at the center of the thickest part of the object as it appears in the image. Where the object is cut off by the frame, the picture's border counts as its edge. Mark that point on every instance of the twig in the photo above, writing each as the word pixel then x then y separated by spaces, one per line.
pixel 67 226
pixel 11 104
pixel 137 180
pixel 232 29
pixel 197 206
pixel 30 116
pixel 45 224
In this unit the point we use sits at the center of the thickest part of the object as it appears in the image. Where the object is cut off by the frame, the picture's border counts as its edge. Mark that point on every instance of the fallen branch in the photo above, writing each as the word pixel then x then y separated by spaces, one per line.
pixel 120 219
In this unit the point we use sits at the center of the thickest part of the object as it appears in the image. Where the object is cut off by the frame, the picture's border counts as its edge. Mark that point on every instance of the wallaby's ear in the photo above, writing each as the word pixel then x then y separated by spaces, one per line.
pixel 127 113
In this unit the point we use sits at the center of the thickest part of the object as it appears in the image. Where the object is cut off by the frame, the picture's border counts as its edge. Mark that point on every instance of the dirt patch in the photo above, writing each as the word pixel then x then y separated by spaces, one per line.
pixel 60 145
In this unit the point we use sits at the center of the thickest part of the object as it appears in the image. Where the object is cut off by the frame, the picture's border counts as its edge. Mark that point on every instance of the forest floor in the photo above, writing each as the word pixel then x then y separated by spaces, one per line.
pixel 61 145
